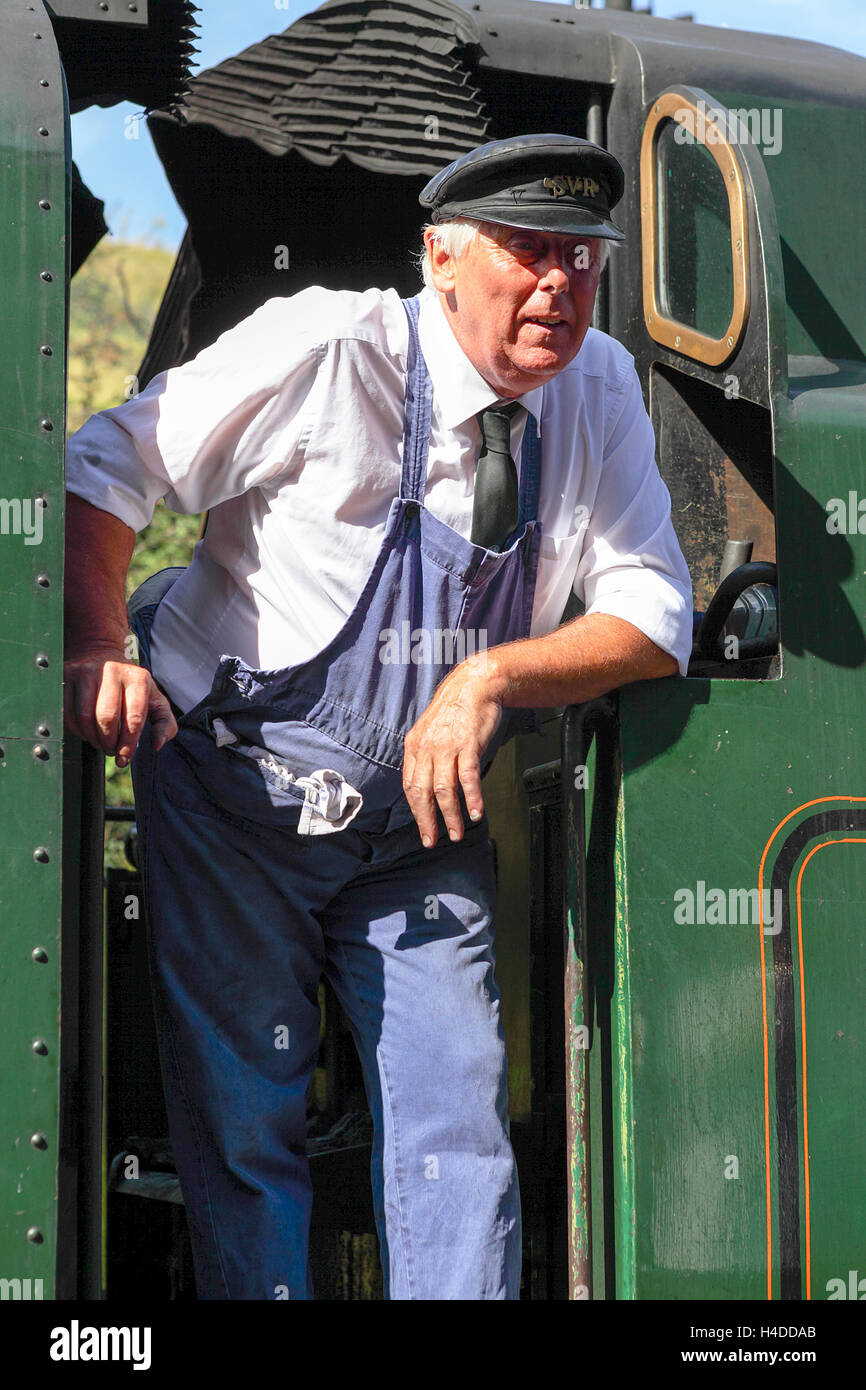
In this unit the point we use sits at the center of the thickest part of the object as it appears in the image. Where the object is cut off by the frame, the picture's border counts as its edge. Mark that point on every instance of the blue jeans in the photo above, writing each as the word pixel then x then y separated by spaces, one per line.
pixel 245 916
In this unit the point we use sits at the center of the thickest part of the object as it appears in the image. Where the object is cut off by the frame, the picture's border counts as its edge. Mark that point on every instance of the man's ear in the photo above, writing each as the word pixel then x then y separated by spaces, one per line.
pixel 441 263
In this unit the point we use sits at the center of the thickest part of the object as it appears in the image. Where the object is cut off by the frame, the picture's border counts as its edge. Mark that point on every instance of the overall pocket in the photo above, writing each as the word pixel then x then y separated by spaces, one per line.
pixel 325 801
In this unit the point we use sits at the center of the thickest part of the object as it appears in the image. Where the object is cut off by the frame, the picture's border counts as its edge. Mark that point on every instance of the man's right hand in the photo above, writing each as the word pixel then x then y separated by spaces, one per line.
pixel 107 700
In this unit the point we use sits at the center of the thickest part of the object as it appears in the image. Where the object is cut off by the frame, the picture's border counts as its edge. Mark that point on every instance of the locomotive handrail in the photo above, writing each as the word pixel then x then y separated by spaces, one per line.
pixel 81 1197
pixel 579 725
pixel 720 605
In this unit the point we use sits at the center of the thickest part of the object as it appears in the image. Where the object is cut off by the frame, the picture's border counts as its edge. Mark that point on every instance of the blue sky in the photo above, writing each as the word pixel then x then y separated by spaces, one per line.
pixel 126 173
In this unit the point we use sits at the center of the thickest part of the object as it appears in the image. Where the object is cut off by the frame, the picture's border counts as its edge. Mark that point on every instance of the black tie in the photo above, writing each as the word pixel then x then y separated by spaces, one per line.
pixel 494 509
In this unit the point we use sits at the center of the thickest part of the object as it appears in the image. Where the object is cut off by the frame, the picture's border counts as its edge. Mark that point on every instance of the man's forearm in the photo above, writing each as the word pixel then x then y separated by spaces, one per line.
pixel 98 550
pixel 579 661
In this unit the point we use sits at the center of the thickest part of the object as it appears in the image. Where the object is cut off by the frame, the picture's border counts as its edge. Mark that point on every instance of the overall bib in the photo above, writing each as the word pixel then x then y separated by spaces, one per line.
pixel 277 844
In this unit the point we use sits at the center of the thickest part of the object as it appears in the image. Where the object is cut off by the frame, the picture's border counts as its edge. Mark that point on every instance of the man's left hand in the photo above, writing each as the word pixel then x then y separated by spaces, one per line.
pixel 444 748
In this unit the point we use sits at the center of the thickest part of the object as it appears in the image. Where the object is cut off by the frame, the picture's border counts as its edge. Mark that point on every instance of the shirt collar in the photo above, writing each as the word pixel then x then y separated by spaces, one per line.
pixel 460 389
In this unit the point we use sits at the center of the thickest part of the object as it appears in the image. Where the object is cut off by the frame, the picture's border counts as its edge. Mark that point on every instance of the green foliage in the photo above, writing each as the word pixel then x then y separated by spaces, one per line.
pixel 113 303
pixel 114 299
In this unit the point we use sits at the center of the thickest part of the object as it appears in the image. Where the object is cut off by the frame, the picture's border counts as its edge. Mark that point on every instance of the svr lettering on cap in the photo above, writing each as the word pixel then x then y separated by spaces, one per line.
pixel 561 183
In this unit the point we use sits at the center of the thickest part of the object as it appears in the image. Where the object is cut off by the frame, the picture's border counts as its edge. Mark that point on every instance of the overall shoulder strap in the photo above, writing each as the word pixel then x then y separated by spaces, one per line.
pixel 530 472
pixel 416 412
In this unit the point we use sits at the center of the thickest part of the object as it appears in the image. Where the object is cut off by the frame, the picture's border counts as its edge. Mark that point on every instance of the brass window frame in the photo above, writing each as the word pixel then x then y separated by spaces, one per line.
pixel 682 337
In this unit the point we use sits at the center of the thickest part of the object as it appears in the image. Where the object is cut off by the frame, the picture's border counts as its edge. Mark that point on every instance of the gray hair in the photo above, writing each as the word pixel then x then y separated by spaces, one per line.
pixel 455 237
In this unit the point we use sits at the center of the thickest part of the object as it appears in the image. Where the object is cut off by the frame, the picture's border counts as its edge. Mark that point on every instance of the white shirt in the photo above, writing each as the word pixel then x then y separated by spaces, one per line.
pixel 289 429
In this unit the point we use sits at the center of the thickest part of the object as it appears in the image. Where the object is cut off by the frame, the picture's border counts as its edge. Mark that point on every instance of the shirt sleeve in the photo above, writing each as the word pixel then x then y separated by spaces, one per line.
pixel 228 420
pixel 632 566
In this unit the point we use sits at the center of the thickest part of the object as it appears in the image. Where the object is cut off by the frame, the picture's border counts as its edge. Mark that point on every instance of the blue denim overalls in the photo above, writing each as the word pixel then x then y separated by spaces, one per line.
pixel 278 844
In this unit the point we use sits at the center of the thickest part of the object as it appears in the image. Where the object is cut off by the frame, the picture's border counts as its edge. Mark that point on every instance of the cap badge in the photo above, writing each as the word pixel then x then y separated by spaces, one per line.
pixel 561 183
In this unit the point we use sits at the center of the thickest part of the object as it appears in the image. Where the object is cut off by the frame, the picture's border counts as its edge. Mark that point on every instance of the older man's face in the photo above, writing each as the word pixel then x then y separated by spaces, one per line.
pixel 519 302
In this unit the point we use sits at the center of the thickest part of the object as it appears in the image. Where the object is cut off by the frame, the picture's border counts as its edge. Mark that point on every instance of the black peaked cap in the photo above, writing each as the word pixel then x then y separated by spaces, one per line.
pixel 551 183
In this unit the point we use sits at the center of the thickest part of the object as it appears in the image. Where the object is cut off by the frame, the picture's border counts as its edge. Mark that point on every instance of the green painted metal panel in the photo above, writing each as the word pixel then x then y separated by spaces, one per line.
pixel 694 990
pixel 718 777
pixel 832 970
pixel 737 1166
pixel 33 259
pixel 813 163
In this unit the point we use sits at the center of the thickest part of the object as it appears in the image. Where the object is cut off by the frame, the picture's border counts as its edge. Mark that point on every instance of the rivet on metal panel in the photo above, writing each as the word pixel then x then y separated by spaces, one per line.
pixel 44 204
pixel 43 731
pixel 38 1140
pixel 40 955
pixel 40 1047
pixel 41 752
pixel 43 581
pixel 46 350
pixel 35 1235
pixel 43 130
pixel 37 36
pixel 730 342
pixel 47 425
pixel 46 275
pixel 41 855
pixel 42 661
pixel 102 5
pixel 43 81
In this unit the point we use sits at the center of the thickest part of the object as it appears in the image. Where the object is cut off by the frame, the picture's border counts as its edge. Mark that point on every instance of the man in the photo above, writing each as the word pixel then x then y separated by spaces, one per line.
pixel 317 731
